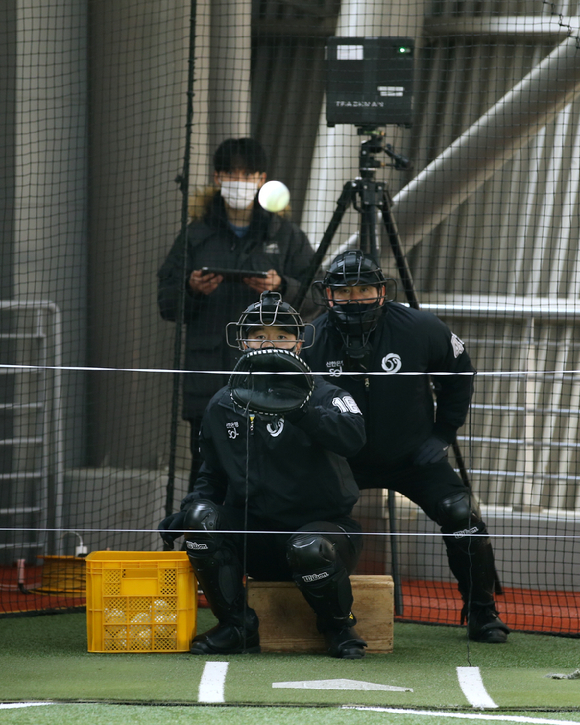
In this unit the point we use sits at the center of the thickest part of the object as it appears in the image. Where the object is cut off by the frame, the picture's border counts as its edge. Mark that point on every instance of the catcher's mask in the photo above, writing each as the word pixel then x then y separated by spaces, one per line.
pixel 269 312
pixel 355 319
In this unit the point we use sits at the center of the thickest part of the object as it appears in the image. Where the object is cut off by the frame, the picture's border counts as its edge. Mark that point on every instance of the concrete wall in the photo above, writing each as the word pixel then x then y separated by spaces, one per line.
pixel 116 509
pixel 49 241
pixel 137 129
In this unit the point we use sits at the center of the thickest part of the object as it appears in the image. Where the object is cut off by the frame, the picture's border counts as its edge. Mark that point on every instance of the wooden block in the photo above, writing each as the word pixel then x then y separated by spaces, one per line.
pixel 288 624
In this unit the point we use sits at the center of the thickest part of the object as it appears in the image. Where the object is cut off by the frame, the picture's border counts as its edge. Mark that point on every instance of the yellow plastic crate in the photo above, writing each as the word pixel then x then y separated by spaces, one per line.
pixel 140 601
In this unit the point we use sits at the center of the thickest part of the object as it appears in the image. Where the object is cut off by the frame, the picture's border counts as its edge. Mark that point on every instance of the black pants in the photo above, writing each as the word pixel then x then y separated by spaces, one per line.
pixel 221 551
pixel 426 486
pixel 264 553
pixel 470 557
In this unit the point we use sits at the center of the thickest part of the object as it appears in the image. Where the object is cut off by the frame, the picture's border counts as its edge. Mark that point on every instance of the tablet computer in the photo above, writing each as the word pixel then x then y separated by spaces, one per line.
pixel 233 275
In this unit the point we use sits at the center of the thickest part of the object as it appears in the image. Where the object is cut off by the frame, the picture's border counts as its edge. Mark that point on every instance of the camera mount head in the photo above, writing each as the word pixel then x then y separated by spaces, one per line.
pixel 368 163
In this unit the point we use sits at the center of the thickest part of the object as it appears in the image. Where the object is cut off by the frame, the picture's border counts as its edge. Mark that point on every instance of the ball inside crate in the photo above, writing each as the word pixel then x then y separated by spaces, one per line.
pixel 140 601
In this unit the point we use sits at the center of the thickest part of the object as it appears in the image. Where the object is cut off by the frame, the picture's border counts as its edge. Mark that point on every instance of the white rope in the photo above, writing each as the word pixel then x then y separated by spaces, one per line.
pixel 293 531
pixel 377 373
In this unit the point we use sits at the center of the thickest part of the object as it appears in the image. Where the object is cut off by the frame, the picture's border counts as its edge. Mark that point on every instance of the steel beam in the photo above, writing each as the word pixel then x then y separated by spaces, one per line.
pixel 488 144
pixel 553 26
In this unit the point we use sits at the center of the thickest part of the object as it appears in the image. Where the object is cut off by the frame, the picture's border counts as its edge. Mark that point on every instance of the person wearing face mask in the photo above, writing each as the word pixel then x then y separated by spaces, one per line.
pixel 228 230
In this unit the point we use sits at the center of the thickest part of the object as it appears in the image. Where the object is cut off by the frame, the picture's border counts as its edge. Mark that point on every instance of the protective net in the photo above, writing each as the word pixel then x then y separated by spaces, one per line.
pixel 439 137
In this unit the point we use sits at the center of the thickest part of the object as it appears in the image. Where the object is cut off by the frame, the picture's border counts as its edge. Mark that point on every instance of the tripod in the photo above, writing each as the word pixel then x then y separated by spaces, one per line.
pixel 367 196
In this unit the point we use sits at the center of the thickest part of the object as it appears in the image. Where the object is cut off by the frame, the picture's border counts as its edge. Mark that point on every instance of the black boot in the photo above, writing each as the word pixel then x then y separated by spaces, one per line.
pixel 229 638
pixel 237 631
pixel 484 624
pixel 473 564
pixel 218 570
pixel 342 638
pixel 325 584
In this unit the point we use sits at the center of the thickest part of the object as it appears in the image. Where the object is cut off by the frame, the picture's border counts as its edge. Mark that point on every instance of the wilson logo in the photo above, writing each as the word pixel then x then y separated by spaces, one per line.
pixel 194 545
pixel 465 532
pixel 314 577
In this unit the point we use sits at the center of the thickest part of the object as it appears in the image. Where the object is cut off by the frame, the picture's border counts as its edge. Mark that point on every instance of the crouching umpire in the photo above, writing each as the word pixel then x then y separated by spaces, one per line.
pixel 363 333
pixel 274 450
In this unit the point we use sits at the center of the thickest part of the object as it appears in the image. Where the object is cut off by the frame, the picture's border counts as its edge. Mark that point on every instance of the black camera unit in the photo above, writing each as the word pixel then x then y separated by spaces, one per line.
pixel 369 81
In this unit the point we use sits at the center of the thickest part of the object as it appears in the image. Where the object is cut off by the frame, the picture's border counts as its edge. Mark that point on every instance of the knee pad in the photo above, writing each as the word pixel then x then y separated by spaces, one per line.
pixel 202 518
pixel 458 514
pixel 321 577
pixel 309 552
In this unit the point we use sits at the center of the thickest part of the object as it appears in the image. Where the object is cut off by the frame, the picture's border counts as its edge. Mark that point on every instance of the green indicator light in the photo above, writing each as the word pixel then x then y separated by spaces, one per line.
pixel 403 49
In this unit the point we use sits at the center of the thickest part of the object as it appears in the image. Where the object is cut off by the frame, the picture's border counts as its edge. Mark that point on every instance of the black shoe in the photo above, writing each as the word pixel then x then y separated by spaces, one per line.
pixel 226 639
pixel 345 643
pixel 484 624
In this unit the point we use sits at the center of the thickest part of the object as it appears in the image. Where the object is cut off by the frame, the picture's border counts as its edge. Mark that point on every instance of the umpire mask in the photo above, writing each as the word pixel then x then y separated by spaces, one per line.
pixel 354 293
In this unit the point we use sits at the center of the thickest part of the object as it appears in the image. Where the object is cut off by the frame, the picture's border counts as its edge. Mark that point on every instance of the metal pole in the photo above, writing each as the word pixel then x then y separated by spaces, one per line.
pixel 488 144
pixel 183 181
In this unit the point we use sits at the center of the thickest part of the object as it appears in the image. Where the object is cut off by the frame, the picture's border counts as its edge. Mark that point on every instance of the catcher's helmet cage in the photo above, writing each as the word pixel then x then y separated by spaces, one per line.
pixel 353 319
pixel 269 311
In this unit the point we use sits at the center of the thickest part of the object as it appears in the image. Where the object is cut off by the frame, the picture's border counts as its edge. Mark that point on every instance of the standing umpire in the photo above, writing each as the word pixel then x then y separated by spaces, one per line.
pixel 407 443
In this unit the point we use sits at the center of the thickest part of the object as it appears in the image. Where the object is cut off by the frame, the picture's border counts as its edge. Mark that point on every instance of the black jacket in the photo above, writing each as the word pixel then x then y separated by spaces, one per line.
pixel 271 243
pixel 296 472
pixel 398 409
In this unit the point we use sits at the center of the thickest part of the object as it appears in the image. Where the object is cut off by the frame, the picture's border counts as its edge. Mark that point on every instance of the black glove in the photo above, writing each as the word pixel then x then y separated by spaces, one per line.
pixel 296 415
pixel 432 450
pixel 271 394
pixel 168 525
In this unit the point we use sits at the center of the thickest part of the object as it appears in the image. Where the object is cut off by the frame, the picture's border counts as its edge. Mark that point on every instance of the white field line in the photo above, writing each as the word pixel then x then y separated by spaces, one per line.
pixel 465 716
pixel 13 705
pixel 473 688
pixel 213 681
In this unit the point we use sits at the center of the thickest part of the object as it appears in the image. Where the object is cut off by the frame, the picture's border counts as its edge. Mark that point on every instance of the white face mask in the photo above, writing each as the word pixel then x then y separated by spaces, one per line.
pixel 239 194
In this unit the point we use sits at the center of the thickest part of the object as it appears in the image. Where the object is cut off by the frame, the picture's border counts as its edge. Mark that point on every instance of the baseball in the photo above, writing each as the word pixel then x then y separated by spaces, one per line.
pixel 274 196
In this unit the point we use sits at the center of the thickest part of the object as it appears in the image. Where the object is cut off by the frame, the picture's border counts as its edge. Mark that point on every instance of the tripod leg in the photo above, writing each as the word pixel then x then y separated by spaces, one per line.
pixel 344 201
pixel 400 259
pixel 368 232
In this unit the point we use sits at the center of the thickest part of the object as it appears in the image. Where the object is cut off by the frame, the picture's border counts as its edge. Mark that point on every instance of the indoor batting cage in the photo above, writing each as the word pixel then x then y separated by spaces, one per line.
pixel 437 140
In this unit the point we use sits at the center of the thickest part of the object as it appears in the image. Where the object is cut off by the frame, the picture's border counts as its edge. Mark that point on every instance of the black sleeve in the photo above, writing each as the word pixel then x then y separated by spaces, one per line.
pixel 334 421
pixel 454 391
pixel 212 481
pixel 172 288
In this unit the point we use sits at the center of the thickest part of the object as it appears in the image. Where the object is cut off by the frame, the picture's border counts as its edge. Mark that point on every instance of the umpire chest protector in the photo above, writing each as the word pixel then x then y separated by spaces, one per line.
pixel 394 391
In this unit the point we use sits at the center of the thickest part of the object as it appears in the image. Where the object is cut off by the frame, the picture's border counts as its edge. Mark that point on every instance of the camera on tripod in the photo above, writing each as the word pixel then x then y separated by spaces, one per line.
pixel 369 81
pixel 369 84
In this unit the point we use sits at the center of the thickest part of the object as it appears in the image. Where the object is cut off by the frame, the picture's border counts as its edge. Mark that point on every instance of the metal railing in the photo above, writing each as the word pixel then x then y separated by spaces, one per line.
pixel 522 440
pixel 31 482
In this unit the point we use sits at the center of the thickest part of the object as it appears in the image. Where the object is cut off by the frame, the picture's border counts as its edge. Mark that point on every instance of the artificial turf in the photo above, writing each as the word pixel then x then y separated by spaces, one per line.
pixel 46 658
pixel 105 714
